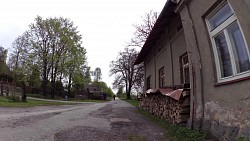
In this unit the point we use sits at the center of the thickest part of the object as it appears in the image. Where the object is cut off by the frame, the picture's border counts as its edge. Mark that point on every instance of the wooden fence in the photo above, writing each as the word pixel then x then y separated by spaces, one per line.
pixel 8 90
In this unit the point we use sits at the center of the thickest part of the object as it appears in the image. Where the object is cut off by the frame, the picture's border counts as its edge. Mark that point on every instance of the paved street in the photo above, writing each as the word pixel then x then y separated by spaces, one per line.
pixel 110 121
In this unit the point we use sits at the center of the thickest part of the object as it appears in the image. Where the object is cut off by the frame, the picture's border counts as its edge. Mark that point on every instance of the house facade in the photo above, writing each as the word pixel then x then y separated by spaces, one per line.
pixel 204 45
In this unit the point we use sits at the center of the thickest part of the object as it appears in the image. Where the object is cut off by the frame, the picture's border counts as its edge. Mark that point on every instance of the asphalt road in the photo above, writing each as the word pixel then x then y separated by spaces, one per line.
pixel 110 121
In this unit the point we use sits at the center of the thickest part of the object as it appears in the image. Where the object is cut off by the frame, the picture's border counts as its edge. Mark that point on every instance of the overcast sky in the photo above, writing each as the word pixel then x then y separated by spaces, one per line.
pixel 106 25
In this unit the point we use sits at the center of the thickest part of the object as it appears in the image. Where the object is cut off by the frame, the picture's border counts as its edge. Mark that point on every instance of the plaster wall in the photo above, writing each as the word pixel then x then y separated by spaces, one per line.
pixel 226 107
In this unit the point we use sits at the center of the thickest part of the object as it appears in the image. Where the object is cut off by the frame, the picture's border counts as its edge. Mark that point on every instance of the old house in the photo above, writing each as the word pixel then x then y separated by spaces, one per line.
pixel 204 45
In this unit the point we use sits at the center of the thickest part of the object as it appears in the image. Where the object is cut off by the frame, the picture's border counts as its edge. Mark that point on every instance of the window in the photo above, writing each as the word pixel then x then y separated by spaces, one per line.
pixel 148 82
pixel 161 78
pixel 230 49
pixel 184 69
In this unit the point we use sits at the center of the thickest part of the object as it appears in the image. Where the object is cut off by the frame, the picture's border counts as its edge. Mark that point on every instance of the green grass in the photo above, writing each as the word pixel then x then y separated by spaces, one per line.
pixel 5 102
pixel 132 102
pixel 70 99
pixel 173 132
pixel 88 100
pixel 133 137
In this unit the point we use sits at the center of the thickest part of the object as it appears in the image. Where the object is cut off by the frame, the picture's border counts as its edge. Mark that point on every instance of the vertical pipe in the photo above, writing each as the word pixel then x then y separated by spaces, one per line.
pixel 172 64
pixel 200 69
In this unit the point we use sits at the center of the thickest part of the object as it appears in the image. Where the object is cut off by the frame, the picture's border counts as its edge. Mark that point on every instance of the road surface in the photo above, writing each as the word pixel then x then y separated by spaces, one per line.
pixel 110 121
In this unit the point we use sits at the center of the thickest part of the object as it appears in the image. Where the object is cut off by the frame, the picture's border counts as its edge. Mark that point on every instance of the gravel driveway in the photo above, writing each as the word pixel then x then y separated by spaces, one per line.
pixel 110 121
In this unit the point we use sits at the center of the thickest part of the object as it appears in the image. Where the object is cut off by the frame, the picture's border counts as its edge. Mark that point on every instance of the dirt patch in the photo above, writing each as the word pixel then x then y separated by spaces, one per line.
pixel 126 125
pixel 88 134
pixel 104 112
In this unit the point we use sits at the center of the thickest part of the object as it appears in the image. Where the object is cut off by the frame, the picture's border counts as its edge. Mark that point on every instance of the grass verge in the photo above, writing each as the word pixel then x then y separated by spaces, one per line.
pixel 134 137
pixel 173 132
pixel 5 102
pixel 70 99
pixel 132 102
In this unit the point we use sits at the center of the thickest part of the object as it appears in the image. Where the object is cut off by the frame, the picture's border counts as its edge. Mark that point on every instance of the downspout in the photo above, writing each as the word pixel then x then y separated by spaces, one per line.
pixel 172 65
pixel 155 68
pixel 200 70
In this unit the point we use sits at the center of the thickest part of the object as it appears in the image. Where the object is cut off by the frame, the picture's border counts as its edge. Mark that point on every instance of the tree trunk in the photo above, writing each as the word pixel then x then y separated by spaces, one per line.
pixel 45 80
pixel 69 85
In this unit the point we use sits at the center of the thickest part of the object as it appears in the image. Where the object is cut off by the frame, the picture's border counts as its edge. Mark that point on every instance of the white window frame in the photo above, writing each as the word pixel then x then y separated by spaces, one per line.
pixel 184 66
pixel 221 28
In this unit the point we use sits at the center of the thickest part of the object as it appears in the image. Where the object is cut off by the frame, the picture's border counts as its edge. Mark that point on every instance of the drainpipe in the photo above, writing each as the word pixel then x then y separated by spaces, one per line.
pixel 172 65
pixel 200 67
pixel 155 67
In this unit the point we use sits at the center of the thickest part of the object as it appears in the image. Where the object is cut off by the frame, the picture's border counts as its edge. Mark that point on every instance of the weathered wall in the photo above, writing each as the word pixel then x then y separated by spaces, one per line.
pixel 178 45
pixel 149 69
pixel 160 56
pixel 227 106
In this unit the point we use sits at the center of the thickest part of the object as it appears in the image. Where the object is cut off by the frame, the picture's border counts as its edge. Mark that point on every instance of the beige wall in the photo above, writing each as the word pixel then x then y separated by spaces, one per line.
pixel 160 56
pixel 225 106
pixel 149 69
pixel 178 45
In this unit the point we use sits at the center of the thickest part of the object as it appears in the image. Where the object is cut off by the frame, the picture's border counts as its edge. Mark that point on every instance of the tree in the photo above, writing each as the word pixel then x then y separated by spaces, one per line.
pixel 3 54
pixel 143 30
pixel 4 69
pixel 120 92
pixel 97 74
pixel 126 73
pixel 104 87
pixel 35 80
pixel 19 61
pixel 54 45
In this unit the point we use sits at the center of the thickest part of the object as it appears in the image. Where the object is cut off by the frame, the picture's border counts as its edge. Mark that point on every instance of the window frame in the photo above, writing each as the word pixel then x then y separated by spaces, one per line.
pixel 182 69
pixel 223 27
pixel 148 82
pixel 161 75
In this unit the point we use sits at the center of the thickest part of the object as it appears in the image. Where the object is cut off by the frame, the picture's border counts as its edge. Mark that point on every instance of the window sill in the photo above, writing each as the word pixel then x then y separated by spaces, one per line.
pixel 231 81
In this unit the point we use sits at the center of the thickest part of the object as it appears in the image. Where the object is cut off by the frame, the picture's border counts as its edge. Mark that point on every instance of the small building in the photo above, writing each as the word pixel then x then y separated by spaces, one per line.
pixel 93 92
pixel 204 45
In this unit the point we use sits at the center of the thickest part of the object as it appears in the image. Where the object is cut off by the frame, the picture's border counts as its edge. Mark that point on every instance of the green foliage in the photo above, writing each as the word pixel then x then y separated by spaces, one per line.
pixel 133 102
pixel 187 134
pixel 3 54
pixel 14 98
pixel 133 137
pixel 59 86
pixel 104 88
pixel 120 92
pixel 35 80
pixel 6 77
pixel 4 69
pixel 9 103
pixel 51 50
pixel 241 139
pixel 122 96
pixel 175 132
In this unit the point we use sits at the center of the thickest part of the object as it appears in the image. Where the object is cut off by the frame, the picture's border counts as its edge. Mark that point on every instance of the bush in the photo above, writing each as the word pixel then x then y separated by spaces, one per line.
pixel 14 98
pixel 190 135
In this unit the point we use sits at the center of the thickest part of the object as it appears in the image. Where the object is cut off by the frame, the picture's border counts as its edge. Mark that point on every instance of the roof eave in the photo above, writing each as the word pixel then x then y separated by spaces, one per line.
pixel 163 20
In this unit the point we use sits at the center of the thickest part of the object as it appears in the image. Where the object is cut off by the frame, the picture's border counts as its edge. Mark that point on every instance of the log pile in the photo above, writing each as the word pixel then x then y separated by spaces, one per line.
pixel 164 107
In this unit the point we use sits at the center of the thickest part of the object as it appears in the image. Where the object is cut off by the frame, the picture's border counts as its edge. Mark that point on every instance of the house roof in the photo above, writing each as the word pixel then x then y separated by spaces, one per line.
pixel 163 20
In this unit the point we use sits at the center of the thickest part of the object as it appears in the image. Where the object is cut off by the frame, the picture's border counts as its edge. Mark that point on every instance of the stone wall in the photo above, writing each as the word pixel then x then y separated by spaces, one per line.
pixel 224 123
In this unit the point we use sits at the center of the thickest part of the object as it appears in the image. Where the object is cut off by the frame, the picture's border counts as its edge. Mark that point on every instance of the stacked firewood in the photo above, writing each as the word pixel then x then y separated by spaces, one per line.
pixel 164 107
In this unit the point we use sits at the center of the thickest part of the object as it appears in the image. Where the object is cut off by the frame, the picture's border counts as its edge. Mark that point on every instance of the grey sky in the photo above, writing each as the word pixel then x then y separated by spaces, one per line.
pixel 105 25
